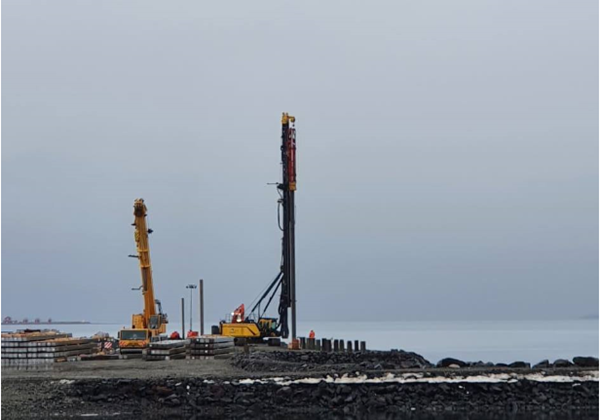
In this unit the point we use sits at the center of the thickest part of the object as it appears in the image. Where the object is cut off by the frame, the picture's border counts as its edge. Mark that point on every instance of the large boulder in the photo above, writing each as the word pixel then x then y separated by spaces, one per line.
pixel 562 363
pixel 544 364
pixel 446 362
pixel 519 364
pixel 586 361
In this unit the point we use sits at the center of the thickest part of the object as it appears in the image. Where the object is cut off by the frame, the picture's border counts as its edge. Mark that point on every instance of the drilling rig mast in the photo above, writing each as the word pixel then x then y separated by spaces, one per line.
pixel 288 190
pixel 255 325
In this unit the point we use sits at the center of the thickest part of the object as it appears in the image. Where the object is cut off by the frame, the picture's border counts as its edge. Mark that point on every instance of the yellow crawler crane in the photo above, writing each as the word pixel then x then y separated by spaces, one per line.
pixel 151 322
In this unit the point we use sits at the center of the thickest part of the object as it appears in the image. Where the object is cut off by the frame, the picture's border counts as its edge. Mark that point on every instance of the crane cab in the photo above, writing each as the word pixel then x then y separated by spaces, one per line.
pixel 134 340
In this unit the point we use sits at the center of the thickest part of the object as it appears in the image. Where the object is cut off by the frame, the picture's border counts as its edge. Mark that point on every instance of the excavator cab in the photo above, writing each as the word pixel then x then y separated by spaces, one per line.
pixel 268 326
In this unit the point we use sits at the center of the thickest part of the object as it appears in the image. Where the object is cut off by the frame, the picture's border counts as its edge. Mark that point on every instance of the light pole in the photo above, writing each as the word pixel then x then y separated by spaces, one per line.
pixel 191 287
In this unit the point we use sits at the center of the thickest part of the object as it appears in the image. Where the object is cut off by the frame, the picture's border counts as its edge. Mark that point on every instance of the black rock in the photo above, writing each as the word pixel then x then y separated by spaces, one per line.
pixel 450 361
pixel 163 390
pixel 586 361
pixel 560 363
pixel 520 364
pixel 172 401
pixel 543 364
pixel 285 391
pixel 476 364
pixel 99 397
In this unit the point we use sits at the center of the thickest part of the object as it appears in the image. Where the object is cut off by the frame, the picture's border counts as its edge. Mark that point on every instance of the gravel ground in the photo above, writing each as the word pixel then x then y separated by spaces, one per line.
pixel 136 388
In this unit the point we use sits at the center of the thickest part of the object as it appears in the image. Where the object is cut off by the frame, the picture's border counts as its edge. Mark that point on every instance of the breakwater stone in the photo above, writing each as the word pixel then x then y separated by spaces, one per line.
pixel 286 361
pixel 196 395
pixel 586 361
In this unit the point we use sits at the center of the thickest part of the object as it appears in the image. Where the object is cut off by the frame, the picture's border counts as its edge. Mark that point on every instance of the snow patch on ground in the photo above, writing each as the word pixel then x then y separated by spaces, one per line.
pixel 408 378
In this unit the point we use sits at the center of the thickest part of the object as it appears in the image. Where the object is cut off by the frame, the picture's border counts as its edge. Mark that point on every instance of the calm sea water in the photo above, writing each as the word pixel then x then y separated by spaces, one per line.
pixel 495 341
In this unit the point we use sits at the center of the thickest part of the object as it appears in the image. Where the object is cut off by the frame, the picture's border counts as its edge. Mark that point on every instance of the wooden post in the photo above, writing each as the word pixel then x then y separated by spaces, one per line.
pixel 201 291
pixel 363 346
pixel 349 346
pixel 355 345
pixel 182 318
pixel 336 345
pixel 318 344
pixel 342 346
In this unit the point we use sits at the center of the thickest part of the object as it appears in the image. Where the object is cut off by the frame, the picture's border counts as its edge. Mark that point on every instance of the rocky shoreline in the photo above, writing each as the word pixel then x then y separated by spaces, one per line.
pixel 298 384
pixel 195 396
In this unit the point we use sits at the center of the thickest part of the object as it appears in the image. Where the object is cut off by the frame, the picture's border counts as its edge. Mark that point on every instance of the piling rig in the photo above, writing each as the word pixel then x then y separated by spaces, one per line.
pixel 255 325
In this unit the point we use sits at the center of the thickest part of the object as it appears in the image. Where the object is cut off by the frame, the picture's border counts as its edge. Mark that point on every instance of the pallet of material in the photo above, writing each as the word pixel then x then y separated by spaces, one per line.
pixel 66 341
pixel 88 346
pixel 208 352
pixel 99 356
pixel 40 360
pixel 210 347
pixel 211 339
pixel 10 338
pixel 169 357
pixel 33 347
pixel 43 347
pixel 25 362
pixel 47 354
pixel 168 344
pixel 217 356
pixel 165 352
pixel 205 346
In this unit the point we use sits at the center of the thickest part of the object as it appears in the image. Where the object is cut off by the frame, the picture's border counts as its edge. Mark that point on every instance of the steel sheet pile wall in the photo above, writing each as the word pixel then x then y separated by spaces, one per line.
pixel 165 350
pixel 40 348
pixel 210 347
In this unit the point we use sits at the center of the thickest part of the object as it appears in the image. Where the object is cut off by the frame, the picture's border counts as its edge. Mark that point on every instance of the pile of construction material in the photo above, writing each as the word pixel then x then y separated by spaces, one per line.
pixel 165 350
pixel 210 347
pixel 35 348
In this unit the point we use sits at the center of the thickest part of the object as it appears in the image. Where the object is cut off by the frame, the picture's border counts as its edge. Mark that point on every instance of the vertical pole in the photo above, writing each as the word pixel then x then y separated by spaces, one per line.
pixel 293 261
pixel 182 318
pixel 201 307
pixel 191 302
pixel 292 205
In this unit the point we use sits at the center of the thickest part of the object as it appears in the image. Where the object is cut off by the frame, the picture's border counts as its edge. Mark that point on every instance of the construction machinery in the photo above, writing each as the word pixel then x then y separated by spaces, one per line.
pixel 255 325
pixel 152 322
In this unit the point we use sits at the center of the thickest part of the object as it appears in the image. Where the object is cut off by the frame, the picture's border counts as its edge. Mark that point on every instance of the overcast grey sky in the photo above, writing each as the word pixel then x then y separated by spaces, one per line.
pixel 447 155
